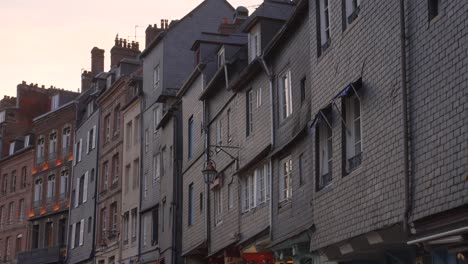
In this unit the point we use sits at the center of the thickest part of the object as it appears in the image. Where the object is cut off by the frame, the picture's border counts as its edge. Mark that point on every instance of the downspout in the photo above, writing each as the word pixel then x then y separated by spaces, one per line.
pixel 272 139
pixel 96 173
pixel 207 157
pixel 142 140
pixel 404 113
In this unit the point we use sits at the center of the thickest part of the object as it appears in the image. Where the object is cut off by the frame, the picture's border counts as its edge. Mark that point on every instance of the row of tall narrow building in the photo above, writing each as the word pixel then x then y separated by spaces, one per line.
pixel 310 131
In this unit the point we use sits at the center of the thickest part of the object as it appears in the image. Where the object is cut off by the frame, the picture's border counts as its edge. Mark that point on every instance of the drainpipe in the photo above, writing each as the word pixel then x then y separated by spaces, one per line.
pixel 207 157
pixel 96 173
pixel 272 138
pixel 404 113
pixel 142 146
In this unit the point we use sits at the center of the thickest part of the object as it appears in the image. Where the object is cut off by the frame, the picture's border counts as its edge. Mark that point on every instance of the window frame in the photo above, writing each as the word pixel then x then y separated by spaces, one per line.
pixel 285 95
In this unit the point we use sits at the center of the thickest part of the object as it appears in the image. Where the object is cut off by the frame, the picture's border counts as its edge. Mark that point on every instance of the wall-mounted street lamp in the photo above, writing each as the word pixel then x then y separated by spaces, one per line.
pixel 210 172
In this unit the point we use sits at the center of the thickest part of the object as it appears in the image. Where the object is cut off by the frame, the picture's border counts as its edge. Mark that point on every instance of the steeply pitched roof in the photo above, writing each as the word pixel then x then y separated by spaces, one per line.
pixel 271 9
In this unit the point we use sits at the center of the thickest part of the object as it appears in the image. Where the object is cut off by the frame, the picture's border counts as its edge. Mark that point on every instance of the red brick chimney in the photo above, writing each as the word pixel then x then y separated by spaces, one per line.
pixel 97 60
pixel 151 32
pixel 123 49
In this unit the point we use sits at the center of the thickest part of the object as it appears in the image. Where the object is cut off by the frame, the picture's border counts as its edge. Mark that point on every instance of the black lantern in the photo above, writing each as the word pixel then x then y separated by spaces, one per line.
pixel 210 172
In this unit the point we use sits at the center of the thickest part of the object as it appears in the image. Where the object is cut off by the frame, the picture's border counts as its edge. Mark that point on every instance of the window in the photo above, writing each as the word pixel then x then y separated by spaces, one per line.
pixel 230 196
pixel 5 184
pixel 115 167
pixel 91 142
pixel 136 135
pixel 201 202
pixel 324 154
pixel 40 150
pixel 21 210
pixel 53 146
pixel 90 224
pixel 163 154
pixel 190 204
pixel 50 187
pixel 155 225
pixel 63 183
pixel 66 141
pixel 107 128
pixel 78 147
pixel 248 192
pixel 323 30
pixel 156 167
pixel 105 177
pixel 19 243
pixel 37 192
pixel 145 184
pixel 219 133
pixel 27 139
pixel 55 102
pixel 254 42
pixel 49 234
pixel 262 175
pixel 127 178
pixel 129 136
pixel 126 227
pixel 116 119
pixel 352 131
pixel 2 216
pixel 76 241
pixel 218 204
pixel 156 77
pixel 8 247
pixel 433 8
pixel 12 148
pixel 11 217
pixel 84 187
pixel 156 119
pixel 303 89
pixel 228 125
pixel 134 223
pixel 285 95
pixel 23 177
pixel 249 113
pixel 62 232
pixel 103 223
pixel 90 108
pixel 285 184
pixel 146 220
pixel 113 223
pixel 190 137
pixel 2 117
pixel 350 11
pixel 13 181
pixel 146 140
pixel 35 236
pixel 221 57
pixel 301 169
pixel 136 173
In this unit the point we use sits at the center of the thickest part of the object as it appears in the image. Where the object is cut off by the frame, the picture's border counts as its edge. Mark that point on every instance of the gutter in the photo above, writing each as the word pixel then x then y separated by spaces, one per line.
pixel 405 118
pixel 439 235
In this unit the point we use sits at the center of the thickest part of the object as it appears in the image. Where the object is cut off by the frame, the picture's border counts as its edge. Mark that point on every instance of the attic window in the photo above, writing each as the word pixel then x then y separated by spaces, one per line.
pixel 12 148
pixel 2 116
pixel 254 43
pixel 221 57
pixel 55 102
pixel 26 141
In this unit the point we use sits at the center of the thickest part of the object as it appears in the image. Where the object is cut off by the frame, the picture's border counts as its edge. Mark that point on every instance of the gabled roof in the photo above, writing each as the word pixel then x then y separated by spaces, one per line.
pixel 272 10
pixel 173 25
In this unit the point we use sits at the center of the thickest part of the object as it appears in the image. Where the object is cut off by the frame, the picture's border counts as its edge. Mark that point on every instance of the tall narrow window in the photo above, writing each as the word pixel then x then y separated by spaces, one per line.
pixel 113 216
pixel 126 223
pixel 2 216
pixel 21 210
pixel 105 174
pixel 49 234
pixel 128 134
pixel 190 204
pixel 249 112
pixel 285 95
pixel 115 168
pixel 50 187
pixel 8 247
pixel 134 224
pixel 103 223
pixel 63 183
pixel 107 128
pixel 218 203
pixel 433 8
pixel 219 133
pixel 53 146
pixel 37 192
pixel 352 131
pixel 323 24
pixel 35 236
pixel 156 76
pixel 117 119
pixel 127 177
pixel 155 226
pixel 230 196
pixel 90 141
pixel 285 179
pixel 303 89
pixel 137 127
pixel 5 184
pixel 40 150
pixel 11 217
pixel 66 141
pixel 23 177
pixel 248 192
pixel 54 103
pixel 156 167
pixel 324 154
pixel 13 181
pixel 19 243
pixel 351 10
pixel 62 232
pixel 228 125
pixel 190 137
pixel 156 118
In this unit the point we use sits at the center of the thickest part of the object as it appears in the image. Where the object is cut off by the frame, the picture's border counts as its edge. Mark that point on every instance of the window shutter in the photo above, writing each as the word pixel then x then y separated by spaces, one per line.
pixel 87 143
pixel 77 191
pixel 72 241
pixel 81 231
pixel 85 187
pixel 79 151
pixel 75 154
pixel 94 137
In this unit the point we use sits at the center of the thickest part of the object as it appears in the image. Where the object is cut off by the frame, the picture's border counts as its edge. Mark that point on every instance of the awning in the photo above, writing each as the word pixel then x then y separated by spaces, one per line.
pixel 352 87
pixel 322 115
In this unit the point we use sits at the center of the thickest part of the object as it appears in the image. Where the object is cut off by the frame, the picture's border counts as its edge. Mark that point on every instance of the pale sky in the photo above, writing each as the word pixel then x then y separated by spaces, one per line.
pixel 48 42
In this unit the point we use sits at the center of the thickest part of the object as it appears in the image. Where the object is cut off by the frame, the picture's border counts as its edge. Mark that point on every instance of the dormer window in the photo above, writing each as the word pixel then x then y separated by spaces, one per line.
pixel 2 117
pixel 27 139
pixel 12 148
pixel 254 43
pixel 221 57
pixel 90 108
pixel 55 102
pixel 109 81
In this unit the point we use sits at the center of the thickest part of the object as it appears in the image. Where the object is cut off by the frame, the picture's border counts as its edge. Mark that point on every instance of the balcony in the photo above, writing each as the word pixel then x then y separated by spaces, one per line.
pixel 41 255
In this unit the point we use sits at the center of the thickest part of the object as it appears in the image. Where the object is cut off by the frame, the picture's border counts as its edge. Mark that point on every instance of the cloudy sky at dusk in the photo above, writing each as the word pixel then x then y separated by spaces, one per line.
pixel 48 42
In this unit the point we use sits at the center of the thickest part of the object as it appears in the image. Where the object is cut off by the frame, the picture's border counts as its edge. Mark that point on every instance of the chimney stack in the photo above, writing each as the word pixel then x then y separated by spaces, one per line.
pixel 122 50
pixel 151 32
pixel 97 60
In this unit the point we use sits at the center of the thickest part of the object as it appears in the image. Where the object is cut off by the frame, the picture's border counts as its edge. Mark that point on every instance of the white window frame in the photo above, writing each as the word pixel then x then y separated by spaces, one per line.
pixel 325 152
pixel 38 190
pixel 353 129
pixel 55 102
pixel 51 186
pixel 285 95
pixel 2 116
pixel 218 203
pixel 156 76
pixel 285 179
pixel 156 167
pixel 156 119
pixel 254 39
pixel 325 27
pixel 221 57
pixel 249 192
pixel 12 148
